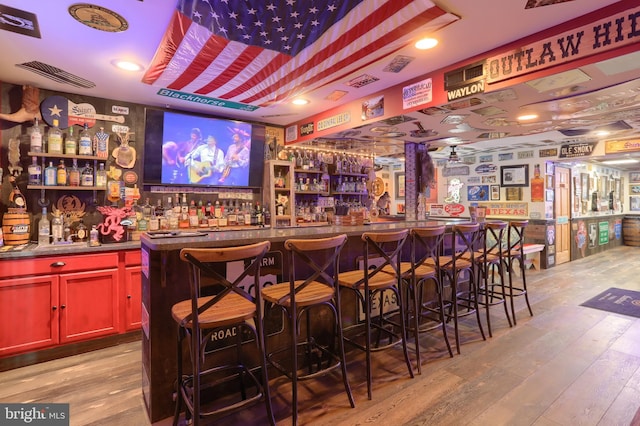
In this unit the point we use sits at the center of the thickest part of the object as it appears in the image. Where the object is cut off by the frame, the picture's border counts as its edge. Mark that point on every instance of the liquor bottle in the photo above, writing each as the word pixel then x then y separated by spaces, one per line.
pixel 71 143
pixel 217 209
pixel 85 145
pixel 54 139
pixel 154 219
pixel 74 174
pixel 232 216
pixel 177 209
pixel 193 215
pixel 101 143
pixel 259 215
pixel 94 237
pixel 86 177
pixel 248 214
pixel 61 174
pixel 35 139
pixel 170 216
pixel 16 199
pixel 537 185
pixel 50 175
pixel 147 209
pixel 57 228
pixel 183 221
pixel 82 233
pixel 101 176
pixel 35 172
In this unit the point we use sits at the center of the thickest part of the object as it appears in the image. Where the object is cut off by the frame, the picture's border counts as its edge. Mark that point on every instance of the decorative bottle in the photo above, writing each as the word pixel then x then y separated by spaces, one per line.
pixel 35 139
pixel 50 175
pixel 537 185
pixel 35 172
pixel 86 178
pixel 62 173
pixel 54 139
pixel 44 229
pixel 85 145
pixel 71 143
pixel 16 199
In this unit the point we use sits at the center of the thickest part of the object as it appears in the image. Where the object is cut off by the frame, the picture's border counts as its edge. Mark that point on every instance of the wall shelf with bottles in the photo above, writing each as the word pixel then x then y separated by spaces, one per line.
pixel 69 156
pixel 68 187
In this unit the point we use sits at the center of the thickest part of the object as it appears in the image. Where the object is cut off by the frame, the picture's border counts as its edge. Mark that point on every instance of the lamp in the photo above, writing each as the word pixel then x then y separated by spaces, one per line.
pixel 453 156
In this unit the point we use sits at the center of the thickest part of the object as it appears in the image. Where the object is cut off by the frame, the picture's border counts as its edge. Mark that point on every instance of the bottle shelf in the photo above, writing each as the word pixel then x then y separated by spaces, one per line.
pixel 67 187
pixel 69 156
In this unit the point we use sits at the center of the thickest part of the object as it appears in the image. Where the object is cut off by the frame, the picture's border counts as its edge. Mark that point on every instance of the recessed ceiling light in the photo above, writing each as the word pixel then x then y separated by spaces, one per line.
pixel 602 133
pixel 126 65
pixel 300 101
pixel 526 117
pixel 426 43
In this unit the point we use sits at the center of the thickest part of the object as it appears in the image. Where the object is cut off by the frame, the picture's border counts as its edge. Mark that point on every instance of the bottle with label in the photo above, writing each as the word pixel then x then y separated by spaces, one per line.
pixel 44 229
pixel 54 139
pixel 70 143
pixel 57 228
pixel 50 175
pixel 35 172
pixel 82 233
pixel 101 176
pixel 184 213
pixel 61 173
pixel 217 210
pixel 86 178
pixel 35 139
pixel 94 237
pixel 16 199
pixel 74 174
pixel 193 215
pixel 85 144
pixel 101 143
pixel 537 185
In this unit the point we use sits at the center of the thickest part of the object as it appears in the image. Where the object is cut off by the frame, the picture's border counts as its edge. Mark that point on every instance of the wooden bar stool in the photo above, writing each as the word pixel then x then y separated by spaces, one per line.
pixel 489 261
pixel 426 248
pixel 318 259
pixel 463 241
pixel 200 317
pixel 380 274
pixel 514 253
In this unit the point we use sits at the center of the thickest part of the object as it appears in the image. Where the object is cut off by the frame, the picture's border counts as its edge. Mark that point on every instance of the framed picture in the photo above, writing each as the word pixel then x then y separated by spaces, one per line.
pixel 549 194
pixel 549 166
pixel 495 192
pixel 634 204
pixel 399 186
pixel 634 177
pixel 514 193
pixel 478 193
pixel 634 190
pixel 514 176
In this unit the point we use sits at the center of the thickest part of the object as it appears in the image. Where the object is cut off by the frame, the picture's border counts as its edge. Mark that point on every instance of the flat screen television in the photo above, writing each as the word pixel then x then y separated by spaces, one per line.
pixel 186 149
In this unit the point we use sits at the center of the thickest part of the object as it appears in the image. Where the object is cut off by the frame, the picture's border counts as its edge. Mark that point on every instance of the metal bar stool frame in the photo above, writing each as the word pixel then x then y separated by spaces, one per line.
pixel 373 280
pixel 489 260
pixel 427 244
pixel 513 253
pixel 201 316
pixel 297 299
pixel 463 240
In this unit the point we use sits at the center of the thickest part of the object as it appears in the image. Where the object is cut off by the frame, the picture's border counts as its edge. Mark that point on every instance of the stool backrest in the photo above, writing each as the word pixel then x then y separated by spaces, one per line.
pixel 427 244
pixel 385 247
pixel 464 241
pixel 208 268
pixel 515 238
pixel 318 256
pixel 494 234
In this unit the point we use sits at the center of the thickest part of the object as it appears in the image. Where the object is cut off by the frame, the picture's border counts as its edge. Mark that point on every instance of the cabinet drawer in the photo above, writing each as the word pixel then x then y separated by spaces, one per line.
pixel 132 258
pixel 57 264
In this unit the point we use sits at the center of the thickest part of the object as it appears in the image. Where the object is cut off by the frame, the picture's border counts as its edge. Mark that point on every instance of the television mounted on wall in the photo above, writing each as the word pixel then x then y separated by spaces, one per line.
pixel 185 149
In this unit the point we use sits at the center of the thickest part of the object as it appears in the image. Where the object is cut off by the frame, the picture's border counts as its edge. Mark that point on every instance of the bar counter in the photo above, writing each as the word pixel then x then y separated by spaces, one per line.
pixel 165 282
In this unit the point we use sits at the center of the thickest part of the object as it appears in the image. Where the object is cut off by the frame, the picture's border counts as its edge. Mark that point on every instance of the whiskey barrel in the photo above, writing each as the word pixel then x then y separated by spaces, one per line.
pixel 16 227
pixel 631 230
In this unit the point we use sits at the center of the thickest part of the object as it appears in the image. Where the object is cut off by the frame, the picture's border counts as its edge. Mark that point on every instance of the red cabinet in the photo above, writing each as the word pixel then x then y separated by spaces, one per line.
pixel 46 301
pixel 29 310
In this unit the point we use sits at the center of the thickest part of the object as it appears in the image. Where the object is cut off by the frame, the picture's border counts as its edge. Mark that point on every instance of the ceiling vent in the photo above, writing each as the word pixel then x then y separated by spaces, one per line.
pixel 465 75
pixel 56 74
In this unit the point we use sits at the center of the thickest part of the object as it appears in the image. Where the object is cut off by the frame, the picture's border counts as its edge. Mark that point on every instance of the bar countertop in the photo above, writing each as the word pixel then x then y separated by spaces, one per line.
pixel 216 238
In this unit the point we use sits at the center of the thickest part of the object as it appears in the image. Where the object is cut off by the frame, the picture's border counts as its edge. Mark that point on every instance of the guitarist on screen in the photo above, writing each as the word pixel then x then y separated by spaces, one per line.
pixel 205 163
pixel 236 162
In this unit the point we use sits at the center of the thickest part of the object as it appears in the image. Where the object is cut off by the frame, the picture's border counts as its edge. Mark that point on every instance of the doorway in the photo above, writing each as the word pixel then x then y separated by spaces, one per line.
pixel 562 207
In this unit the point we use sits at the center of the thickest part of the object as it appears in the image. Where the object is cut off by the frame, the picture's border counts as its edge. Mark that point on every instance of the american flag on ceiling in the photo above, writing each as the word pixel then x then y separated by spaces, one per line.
pixel 261 52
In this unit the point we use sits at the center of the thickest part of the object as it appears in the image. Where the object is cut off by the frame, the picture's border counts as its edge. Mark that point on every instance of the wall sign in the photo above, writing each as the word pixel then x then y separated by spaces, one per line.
pixel 577 150
pixel 19 21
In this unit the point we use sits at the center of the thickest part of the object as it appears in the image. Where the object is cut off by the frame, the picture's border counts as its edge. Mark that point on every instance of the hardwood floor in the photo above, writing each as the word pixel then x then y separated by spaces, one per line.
pixel 567 365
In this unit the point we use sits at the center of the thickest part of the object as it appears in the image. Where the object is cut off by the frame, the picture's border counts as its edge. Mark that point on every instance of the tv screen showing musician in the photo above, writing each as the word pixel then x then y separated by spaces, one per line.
pixel 205 151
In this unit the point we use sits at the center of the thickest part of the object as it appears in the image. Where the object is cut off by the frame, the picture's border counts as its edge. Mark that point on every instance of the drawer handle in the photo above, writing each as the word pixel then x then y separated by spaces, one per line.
pixel 57 264
pixel 63 306
pixel 54 307
pixel 128 296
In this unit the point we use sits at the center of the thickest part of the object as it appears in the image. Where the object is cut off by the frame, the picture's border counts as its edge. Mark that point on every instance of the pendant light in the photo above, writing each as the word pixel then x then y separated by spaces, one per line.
pixel 453 156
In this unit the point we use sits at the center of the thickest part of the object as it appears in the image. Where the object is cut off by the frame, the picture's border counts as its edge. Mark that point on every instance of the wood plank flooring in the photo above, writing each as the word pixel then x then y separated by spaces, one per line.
pixel 567 365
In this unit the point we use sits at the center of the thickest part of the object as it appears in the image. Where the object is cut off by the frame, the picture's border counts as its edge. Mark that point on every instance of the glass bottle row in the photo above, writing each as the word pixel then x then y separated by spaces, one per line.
pixel 61 175
pixel 57 143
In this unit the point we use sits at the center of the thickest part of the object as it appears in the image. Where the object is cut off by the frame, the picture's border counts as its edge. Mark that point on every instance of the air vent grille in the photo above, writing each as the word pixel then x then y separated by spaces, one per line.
pixel 462 76
pixel 56 74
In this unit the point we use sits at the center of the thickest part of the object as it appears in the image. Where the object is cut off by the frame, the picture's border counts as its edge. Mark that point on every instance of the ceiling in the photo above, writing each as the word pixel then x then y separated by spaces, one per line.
pixel 477 26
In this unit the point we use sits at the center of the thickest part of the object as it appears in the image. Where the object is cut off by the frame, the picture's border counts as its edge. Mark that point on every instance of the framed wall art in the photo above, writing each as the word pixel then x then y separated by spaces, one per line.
pixel 399 186
pixel 634 177
pixel 495 192
pixel 514 193
pixel 514 176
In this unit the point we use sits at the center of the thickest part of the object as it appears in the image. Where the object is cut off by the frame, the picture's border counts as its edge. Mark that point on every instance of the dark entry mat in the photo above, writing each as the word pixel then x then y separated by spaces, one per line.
pixel 618 300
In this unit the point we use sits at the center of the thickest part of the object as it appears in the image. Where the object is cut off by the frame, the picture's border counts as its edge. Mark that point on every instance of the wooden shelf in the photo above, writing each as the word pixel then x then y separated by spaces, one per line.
pixel 68 188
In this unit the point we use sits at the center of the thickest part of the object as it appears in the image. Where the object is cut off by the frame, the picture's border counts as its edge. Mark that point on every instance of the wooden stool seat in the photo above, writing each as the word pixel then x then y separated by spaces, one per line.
pixel 353 280
pixel 312 294
pixel 232 309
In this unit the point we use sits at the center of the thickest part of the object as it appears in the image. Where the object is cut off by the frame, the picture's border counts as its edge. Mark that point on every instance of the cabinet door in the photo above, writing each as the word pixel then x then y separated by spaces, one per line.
pixel 133 297
pixel 88 305
pixel 28 314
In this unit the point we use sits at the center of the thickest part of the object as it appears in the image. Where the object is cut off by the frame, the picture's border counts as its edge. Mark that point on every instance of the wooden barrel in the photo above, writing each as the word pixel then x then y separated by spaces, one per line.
pixel 16 227
pixel 631 230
